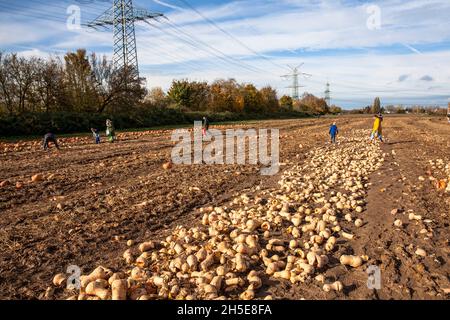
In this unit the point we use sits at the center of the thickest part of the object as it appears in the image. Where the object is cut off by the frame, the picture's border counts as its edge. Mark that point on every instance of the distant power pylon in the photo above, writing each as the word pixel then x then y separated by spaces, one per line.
pixel 295 83
pixel 328 94
pixel 122 17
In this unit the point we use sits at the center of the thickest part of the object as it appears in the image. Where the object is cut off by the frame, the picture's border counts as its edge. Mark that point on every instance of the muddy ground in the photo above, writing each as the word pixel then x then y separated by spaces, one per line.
pixel 96 197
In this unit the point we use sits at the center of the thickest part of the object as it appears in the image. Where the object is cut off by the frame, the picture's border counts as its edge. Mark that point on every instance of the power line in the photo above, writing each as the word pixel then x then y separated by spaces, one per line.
pixel 360 86
pixel 31 13
pixel 176 59
pixel 193 42
pixel 178 29
pixel 370 89
pixel 45 10
pixel 59 5
pixel 124 33
pixel 215 53
pixel 211 22
pixel 38 14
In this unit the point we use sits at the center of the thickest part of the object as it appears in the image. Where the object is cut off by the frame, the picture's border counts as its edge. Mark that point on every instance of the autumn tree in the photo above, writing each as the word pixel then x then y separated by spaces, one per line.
pixel 286 102
pixel 193 96
pixel 252 99
pixel 269 99
pixel 225 96
pixel 301 107
pixel 199 96
pixel 79 80
pixel 335 109
pixel 179 93
pixel 157 98
pixel 314 104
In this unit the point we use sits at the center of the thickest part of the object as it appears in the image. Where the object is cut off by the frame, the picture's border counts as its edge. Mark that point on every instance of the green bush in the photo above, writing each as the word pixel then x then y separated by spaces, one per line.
pixel 69 122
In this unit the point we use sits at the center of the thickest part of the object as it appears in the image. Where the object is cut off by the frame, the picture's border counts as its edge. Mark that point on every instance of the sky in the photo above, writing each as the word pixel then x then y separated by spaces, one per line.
pixel 398 50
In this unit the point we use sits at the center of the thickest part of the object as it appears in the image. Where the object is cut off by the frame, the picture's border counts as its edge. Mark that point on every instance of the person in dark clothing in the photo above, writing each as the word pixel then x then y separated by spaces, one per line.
pixel 205 126
pixel 50 137
pixel 333 132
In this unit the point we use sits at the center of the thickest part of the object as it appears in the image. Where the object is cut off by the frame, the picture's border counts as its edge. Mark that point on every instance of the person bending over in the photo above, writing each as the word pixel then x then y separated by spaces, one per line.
pixel 50 137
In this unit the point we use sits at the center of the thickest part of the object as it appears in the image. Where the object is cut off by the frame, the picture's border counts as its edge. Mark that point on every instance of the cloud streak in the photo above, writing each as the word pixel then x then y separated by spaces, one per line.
pixel 331 37
pixel 427 78
pixel 168 5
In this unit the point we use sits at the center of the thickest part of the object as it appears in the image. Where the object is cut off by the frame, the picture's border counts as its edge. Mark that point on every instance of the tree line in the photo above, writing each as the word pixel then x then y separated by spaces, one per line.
pixel 231 96
pixel 76 83
pixel 82 83
pixel 399 109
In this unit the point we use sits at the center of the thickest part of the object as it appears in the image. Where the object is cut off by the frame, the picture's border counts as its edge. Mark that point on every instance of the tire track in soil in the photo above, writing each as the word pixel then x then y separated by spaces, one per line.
pixel 404 274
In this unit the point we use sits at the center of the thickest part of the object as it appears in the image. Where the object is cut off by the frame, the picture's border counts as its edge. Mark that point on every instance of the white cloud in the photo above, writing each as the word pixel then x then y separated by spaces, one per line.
pixel 13 32
pixel 34 52
pixel 323 33
pixel 168 5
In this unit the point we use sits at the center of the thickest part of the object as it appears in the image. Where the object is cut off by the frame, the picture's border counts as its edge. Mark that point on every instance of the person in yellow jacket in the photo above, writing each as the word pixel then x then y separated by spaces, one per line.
pixel 377 130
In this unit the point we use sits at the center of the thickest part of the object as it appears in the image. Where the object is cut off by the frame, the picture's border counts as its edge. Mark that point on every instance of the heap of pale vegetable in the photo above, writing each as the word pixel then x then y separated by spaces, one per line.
pixel 287 233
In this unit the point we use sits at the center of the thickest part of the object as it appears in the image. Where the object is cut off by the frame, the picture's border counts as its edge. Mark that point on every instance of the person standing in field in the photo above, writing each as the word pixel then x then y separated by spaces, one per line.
pixel 448 113
pixel 110 132
pixel 50 137
pixel 377 130
pixel 205 126
pixel 333 132
pixel 96 134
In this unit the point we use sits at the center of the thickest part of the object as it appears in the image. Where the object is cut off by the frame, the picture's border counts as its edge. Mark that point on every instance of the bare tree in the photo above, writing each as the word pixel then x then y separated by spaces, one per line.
pixel 49 85
pixel 117 90
pixel 6 84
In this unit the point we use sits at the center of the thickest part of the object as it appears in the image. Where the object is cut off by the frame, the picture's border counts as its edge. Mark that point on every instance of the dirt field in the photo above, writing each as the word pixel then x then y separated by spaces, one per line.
pixel 96 197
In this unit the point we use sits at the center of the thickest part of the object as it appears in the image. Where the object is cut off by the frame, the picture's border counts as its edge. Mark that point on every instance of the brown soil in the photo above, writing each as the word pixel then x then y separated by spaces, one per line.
pixel 99 196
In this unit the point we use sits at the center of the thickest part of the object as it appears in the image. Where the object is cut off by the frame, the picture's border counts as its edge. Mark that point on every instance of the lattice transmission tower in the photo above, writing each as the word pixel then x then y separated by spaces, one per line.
pixel 122 17
pixel 328 94
pixel 295 82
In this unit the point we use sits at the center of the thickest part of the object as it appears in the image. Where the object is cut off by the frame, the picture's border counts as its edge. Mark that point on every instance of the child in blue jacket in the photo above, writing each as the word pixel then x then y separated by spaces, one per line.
pixel 333 132
pixel 96 135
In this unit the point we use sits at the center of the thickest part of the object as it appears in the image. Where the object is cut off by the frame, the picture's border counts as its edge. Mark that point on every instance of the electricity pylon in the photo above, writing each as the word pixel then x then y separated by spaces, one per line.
pixel 122 17
pixel 328 94
pixel 295 83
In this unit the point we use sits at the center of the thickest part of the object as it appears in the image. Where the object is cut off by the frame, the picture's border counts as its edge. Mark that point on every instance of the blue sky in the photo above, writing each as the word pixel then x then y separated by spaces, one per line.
pixel 398 50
